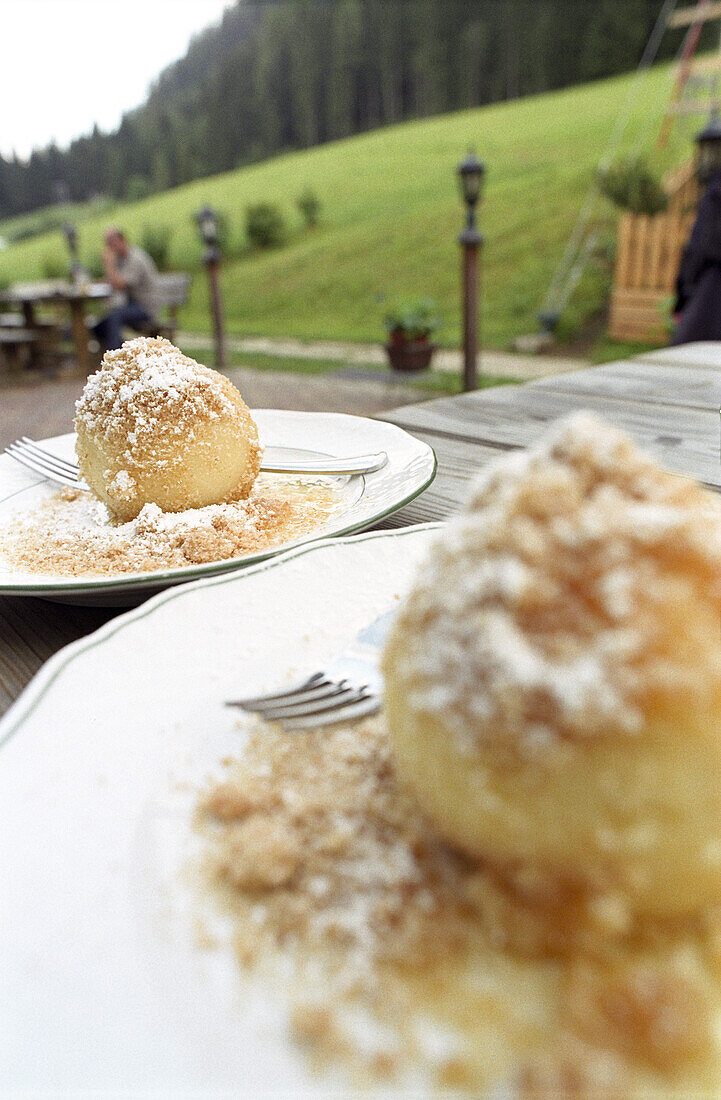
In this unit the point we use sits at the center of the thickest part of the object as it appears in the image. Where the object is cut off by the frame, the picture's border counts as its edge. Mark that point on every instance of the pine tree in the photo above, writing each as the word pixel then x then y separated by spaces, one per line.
pixel 292 73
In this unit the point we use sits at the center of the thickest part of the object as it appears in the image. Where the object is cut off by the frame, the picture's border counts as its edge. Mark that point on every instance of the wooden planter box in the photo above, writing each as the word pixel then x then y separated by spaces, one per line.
pixel 648 256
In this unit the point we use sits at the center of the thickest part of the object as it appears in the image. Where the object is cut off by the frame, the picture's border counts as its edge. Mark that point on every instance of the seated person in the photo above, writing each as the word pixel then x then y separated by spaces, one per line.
pixel 132 273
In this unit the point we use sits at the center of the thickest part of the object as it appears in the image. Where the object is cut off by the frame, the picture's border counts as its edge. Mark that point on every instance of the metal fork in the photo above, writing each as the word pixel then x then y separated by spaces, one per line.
pixel 41 461
pixel 28 453
pixel 350 686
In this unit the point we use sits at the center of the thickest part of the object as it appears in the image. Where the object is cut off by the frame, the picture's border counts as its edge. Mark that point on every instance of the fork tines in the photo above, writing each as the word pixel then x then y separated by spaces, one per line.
pixel 27 452
pixel 317 701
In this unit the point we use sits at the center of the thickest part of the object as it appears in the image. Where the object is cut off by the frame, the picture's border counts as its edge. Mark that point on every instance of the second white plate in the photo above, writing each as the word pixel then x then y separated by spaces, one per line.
pixel 410 469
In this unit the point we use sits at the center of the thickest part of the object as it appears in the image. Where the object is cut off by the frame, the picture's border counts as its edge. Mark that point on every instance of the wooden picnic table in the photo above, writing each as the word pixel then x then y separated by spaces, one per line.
pixel 72 296
pixel 668 400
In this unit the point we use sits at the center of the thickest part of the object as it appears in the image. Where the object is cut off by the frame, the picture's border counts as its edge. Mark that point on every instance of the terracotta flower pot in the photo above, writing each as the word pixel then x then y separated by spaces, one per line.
pixel 410 355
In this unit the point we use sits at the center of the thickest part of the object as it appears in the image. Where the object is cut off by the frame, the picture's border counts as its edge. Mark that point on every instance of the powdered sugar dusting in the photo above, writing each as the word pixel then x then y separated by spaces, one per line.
pixel 73 534
pixel 541 611
pixel 146 384
pixel 122 486
pixel 401 957
pixel 154 425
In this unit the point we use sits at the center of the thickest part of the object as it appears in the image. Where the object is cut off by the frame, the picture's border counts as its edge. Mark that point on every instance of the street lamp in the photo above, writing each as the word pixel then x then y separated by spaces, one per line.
pixel 709 149
pixel 71 237
pixel 471 173
pixel 207 221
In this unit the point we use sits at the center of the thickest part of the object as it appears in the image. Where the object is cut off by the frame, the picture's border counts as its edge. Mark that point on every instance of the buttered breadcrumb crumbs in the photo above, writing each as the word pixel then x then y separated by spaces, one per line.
pixel 149 385
pixel 73 534
pixel 411 960
pixel 537 618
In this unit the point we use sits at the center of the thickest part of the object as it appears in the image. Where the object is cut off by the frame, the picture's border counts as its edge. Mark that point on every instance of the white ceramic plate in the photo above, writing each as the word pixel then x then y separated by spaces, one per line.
pixel 102 984
pixel 410 469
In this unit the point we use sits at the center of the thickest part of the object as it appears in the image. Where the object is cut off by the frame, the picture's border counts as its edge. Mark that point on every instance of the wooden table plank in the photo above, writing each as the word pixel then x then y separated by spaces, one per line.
pixel 31 631
pixel 686 355
pixel 648 382
pixel 684 440
pixel 67 294
pixel 458 463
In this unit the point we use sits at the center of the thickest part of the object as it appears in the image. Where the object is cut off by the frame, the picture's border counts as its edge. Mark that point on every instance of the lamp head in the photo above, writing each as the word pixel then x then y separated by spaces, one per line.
pixel 207 220
pixel 471 172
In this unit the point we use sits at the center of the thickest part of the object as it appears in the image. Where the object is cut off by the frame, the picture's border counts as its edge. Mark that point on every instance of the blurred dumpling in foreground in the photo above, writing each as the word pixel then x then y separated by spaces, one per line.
pixel 553 681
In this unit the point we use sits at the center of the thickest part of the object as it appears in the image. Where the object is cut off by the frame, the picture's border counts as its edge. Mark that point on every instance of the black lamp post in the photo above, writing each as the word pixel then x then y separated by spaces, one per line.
pixel 470 173
pixel 207 220
pixel 71 237
pixel 709 149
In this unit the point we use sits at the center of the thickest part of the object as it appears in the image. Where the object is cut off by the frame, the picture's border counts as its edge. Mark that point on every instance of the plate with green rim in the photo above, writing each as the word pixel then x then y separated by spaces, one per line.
pixel 366 499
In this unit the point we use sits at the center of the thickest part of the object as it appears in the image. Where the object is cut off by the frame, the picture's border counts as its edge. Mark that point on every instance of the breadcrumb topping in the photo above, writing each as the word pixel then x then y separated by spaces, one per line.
pixel 580 590
pixel 155 426
pixel 542 611
pixel 397 956
pixel 73 534
pixel 148 386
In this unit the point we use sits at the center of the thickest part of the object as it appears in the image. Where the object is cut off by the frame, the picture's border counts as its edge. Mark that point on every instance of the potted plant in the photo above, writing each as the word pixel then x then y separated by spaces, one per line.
pixel 410 328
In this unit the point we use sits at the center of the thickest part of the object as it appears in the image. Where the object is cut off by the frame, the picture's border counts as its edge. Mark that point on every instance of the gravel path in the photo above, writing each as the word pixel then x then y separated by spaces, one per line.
pixel 503 364
pixel 40 406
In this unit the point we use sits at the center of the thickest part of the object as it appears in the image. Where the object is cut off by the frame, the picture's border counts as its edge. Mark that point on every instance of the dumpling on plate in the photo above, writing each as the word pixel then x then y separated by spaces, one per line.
pixel 155 427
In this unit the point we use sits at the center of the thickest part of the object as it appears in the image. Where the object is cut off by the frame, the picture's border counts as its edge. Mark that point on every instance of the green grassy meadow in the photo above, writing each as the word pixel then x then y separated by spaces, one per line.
pixel 391 214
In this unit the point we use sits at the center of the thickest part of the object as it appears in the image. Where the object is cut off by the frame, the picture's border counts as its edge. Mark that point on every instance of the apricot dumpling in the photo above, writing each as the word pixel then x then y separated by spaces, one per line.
pixel 155 427
pixel 553 680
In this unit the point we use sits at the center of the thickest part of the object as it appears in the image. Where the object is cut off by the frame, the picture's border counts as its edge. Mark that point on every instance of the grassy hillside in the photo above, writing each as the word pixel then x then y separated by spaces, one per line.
pixel 391 214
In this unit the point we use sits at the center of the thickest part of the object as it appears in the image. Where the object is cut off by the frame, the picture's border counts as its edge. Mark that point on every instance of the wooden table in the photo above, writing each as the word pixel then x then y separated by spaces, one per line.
pixel 669 401
pixel 73 297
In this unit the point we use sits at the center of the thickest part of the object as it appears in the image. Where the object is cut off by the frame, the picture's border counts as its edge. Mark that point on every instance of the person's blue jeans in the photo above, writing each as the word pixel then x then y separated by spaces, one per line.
pixel 109 330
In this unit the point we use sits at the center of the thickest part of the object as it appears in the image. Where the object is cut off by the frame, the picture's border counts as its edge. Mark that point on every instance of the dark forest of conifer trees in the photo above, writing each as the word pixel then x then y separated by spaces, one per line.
pixel 287 74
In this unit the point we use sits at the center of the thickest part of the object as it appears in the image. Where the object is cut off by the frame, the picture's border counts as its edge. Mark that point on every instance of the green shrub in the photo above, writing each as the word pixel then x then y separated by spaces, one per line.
pixel 40 221
pixel 665 309
pixel 155 240
pixel 414 320
pixel 27 232
pixel 631 185
pixel 265 225
pixel 55 266
pixel 309 205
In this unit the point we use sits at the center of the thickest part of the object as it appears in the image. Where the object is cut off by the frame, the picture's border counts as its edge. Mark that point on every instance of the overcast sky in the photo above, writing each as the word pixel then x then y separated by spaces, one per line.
pixel 67 64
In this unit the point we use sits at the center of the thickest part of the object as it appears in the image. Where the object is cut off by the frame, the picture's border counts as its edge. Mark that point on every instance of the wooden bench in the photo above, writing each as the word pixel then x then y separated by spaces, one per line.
pixel 172 289
pixel 17 346
pixel 172 292
pixel 17 320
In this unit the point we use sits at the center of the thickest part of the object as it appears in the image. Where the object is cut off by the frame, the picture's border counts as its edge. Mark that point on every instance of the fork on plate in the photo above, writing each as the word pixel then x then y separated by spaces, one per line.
pixel 42 461
pixel 349 687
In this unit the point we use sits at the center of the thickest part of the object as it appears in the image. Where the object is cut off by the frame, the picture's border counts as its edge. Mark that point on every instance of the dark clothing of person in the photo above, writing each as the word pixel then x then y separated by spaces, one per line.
pixel 109 330
pixel 698 287
pixel 141 299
